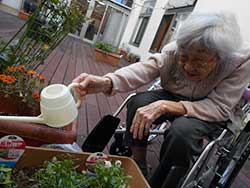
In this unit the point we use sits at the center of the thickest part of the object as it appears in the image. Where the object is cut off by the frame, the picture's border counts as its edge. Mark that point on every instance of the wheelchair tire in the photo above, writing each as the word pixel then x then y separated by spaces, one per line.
pixel 117 149
pixel 237 165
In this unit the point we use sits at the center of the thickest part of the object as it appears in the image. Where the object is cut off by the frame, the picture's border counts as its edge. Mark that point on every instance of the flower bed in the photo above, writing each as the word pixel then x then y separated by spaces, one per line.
pixel 35 157
pixel 19 95
pixel 106 53
pixel 107 57
pixel 21 85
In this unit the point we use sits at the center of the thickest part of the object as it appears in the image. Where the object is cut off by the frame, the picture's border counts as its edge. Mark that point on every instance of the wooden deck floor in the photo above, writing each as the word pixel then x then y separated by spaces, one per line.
pixel 73 57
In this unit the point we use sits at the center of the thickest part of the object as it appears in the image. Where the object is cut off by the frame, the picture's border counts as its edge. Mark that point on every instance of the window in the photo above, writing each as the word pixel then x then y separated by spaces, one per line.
pixel 128 3
pixel 142 22
pixel 161 33
pixel 143 25
pixel 167 30
pixel 178 19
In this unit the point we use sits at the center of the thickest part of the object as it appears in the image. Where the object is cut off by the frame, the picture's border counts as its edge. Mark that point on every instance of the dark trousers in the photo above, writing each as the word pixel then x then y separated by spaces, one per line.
pixel 183 140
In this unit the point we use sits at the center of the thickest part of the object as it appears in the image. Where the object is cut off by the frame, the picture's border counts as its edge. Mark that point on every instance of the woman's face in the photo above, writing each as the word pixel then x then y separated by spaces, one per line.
pixel 197 62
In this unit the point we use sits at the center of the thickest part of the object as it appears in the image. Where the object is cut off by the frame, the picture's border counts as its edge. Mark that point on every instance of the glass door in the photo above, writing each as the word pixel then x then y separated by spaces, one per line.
pixel 94 23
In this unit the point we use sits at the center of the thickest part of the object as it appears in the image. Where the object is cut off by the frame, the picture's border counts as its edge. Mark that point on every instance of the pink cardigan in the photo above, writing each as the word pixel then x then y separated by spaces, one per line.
pixel 214 99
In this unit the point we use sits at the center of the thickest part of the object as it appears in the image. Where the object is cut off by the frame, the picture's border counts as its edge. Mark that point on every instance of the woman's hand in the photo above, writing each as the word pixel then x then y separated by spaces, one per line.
pixel 145 116
pixel 90 84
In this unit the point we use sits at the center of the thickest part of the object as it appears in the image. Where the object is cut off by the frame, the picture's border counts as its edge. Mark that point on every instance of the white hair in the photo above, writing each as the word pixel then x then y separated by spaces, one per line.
pixel 219 32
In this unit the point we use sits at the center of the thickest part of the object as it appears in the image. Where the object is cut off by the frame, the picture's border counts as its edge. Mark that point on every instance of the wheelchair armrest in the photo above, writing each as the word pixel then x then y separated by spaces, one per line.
pixel 123 104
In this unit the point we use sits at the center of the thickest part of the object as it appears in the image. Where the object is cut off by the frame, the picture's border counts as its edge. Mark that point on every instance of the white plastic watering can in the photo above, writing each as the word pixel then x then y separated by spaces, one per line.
pixel 58 107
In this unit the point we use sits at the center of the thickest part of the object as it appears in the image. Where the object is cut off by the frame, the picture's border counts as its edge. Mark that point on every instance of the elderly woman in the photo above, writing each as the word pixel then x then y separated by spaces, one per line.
pixel 203 76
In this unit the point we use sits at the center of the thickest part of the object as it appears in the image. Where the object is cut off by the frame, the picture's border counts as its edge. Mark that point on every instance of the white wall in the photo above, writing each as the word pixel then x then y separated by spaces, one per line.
pixel 240 8
pixel 16 4
pixel 151 29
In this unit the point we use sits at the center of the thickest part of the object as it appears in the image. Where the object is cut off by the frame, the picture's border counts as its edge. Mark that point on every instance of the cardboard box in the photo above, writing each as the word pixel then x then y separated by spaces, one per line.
pixel 33 157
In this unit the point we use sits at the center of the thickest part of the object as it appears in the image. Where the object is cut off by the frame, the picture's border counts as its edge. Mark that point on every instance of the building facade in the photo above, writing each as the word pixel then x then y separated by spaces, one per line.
pixel 105 21
pixel 152 24
pixel 15 4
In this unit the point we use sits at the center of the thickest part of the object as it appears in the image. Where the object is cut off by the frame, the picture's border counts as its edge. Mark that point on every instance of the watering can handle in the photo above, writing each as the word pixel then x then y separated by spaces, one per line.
pixel 71 86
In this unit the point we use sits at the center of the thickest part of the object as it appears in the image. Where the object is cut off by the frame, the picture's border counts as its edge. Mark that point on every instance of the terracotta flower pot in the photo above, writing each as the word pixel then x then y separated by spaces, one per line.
pixel 109 58
pixel 13 105
pixel 33 134
pixel 23 15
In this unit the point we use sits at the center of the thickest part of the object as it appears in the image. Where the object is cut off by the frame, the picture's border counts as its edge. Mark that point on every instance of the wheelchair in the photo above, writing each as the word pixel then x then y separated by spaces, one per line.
pixel 221 161
pixel 218 164
pixel 117 148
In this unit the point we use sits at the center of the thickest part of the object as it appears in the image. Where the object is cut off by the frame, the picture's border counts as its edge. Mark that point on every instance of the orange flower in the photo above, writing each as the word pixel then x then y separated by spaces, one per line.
pixel 20 67
pixel 41 77
pixel 2 76
pixel 8 79
pixel 11 69
pixel 36 96
pixel 45 46
pixel 31 72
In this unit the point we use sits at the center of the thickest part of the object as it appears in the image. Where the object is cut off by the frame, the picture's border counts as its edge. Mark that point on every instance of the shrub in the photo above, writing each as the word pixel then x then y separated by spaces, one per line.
pixel 105 47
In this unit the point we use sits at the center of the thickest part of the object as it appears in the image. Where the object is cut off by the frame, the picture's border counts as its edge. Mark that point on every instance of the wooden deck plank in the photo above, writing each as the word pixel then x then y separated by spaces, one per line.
pixel 61 70
pixel 71 66
pixel 42 67
pixel 50 69
pixel 82 121
pixel 93 114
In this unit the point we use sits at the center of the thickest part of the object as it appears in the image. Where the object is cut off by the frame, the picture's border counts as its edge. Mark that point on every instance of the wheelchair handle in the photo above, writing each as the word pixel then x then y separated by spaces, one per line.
pixel 158 132
pixel 154 86
pixel 123 104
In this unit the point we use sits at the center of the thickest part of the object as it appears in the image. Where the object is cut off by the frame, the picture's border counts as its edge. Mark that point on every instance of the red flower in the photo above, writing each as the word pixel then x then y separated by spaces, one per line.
pixel 11 69
pixel 36 96
pixel 41 77
pixel 31 72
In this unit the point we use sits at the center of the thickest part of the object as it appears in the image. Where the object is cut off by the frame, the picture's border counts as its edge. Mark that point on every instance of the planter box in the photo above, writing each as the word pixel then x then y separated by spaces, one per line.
pixel 33 134
pixel 109 58
pixel 33 157
pixel 37 135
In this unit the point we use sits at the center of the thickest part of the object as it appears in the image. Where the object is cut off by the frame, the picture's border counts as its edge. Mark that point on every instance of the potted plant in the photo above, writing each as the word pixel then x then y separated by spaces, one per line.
pixel 48 25
pixel 19 91
pixel 29 6
pixel 67 176
pixel 106 53
pixel 20 85
pixel 5 177
pixel 40 167
pixel 20 95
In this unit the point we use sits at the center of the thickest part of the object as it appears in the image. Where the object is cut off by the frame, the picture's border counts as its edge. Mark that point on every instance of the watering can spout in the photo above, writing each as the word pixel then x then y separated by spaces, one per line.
pixel 26 119
pixel 58 107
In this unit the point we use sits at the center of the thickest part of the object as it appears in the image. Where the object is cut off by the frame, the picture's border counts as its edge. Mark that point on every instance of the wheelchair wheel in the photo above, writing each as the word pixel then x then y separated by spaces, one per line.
pixel 233 169
pixel 240 153
pixel 117 149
